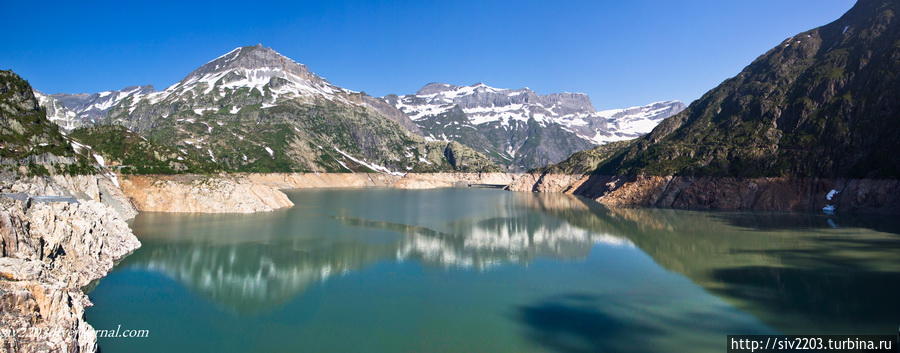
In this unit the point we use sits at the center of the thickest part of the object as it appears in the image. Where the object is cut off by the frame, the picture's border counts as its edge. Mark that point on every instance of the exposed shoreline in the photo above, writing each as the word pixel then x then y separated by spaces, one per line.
pixel 258 192
pixel 724 193
pixel 261 192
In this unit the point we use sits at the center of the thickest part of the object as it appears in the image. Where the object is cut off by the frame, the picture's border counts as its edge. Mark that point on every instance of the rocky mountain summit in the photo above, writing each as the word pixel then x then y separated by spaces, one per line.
pixel 520 129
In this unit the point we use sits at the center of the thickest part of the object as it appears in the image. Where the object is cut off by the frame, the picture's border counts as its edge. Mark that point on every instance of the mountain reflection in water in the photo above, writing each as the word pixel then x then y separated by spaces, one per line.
pixel 247 268
pixel 794 273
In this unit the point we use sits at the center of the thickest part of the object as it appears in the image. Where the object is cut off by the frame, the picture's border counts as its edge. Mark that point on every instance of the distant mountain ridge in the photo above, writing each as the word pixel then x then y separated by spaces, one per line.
pixel 516 129
pixel 252 109
pixel 519 128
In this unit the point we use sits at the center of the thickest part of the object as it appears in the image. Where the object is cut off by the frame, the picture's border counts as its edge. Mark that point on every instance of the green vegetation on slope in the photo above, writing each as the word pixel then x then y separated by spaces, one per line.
pixel 29 142
pixel 318 136
pixel 130 153
pixel 587 161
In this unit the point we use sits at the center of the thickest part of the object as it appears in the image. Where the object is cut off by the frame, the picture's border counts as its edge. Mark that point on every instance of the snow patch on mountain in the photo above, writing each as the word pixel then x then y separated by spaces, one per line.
pixel 483 104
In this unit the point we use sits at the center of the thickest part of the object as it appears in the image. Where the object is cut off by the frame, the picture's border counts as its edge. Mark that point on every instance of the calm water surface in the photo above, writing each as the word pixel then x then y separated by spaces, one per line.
pixel 463 270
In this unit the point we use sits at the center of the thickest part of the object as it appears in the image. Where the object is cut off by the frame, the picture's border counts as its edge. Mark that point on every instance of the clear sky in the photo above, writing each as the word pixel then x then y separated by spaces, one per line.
pixel 620 52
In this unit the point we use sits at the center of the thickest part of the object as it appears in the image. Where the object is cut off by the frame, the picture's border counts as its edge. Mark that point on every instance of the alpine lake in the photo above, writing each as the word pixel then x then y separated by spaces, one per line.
pixel 475 270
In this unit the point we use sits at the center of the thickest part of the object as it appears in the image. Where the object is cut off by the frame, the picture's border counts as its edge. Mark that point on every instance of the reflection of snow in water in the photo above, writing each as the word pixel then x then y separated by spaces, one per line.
pixel 262 279
pixel 483 247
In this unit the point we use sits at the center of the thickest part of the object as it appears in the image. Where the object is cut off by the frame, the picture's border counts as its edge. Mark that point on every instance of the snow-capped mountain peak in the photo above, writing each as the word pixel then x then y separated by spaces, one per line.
pixel 255 68
pixel 255 71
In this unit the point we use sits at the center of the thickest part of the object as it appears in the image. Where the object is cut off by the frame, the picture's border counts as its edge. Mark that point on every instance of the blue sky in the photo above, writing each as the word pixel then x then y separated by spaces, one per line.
pixel 621 53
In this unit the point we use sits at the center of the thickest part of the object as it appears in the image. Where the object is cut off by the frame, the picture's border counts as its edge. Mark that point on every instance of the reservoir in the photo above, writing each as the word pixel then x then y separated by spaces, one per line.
pixel 481 270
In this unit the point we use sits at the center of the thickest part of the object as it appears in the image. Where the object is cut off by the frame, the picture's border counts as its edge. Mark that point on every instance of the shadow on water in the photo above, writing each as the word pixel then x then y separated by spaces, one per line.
pixel 859 300
pixel 574 324
pixel 793 271
pixel 580 322
pixel 773 221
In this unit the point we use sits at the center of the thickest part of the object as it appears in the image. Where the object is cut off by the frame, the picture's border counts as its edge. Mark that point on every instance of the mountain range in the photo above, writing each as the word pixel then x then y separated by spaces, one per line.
pixel 253 109
pixel 518 128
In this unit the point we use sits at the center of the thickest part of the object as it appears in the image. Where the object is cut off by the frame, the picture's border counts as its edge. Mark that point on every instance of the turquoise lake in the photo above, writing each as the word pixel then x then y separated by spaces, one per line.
pixel 470 270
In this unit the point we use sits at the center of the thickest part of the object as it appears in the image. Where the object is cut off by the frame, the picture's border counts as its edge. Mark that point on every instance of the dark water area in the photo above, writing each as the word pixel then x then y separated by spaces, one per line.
pixel 463 270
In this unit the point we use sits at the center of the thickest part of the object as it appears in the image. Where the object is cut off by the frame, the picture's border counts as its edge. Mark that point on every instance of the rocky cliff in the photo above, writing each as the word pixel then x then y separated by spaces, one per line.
pixel 48 253
pixel 100 188
pixel 61 227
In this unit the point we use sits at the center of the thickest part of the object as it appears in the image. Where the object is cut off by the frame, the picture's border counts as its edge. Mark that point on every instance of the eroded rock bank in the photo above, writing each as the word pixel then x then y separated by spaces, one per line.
pixel 48 253
pixel 723 193
pixel 360 180
pixel 203 194
pixel 257 192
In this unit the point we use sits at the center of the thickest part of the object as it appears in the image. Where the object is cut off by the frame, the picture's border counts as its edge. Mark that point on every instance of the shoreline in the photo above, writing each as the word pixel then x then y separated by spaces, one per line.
pixel 262 192
pixel 791 194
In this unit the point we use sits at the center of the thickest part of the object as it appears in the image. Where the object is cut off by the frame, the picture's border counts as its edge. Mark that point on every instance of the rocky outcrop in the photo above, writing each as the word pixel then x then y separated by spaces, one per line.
pixel 100 188
pixel 48 252
pixel 724 193
pixel 547 182
pixel 204 194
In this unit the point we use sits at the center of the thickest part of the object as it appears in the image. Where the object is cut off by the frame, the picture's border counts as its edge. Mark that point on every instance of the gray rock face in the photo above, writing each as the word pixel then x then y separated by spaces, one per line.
pixel 100 188
pixel 255 57
pixel 57 112
pixel 520 129
pixel 30 142
pixel 48 252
